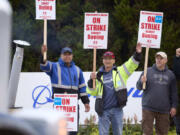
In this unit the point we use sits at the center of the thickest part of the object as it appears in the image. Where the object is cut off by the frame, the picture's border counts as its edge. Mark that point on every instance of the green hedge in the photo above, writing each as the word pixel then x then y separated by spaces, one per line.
pixel 128 128
pixel 131 130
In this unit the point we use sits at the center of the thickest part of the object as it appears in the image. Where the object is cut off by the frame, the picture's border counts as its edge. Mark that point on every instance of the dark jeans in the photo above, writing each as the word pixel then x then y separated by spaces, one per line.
pixel 161 122
pixel 177 123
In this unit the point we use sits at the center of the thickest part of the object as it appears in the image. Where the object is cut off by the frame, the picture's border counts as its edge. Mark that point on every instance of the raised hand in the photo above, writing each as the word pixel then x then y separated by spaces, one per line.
pixel 143 79
pixel 93 75
pixel 43 49
pixel 139 47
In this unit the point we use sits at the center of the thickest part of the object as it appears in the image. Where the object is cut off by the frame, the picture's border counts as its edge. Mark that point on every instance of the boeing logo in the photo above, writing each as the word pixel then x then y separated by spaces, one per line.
pixel 41 95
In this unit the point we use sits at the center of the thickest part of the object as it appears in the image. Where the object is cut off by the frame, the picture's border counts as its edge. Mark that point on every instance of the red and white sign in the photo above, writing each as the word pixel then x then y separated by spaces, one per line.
pixel 68 104
pixel 150 29
pixel 46 9
pixel 96 30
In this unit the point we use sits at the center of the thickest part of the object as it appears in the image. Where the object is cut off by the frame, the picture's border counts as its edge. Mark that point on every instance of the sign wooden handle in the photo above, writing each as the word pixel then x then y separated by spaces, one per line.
pixel 145 65
pixel 45 39
pixel 94 67
pixel 94 64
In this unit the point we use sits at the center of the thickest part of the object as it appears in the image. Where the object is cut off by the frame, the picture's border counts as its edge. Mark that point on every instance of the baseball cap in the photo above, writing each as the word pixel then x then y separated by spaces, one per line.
pixel 66 49
pixel 162 54
pixel 109 54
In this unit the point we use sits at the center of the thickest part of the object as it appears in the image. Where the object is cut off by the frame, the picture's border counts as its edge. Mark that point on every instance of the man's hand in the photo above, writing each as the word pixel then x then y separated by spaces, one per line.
pixel 173 112
pixel 87 107
pixel 93 75
pixel 43 49
pixel 143 79
pixel 178 52
pixel 139 47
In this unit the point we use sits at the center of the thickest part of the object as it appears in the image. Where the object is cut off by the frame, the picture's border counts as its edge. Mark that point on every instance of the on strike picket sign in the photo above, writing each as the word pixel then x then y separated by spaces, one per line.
pixel 95 30
pixel 46 9
pixel 67 103
pixel 150 29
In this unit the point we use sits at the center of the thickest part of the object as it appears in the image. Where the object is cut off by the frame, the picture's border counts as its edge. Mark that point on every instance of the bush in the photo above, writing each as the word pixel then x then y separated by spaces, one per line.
pixel 90 128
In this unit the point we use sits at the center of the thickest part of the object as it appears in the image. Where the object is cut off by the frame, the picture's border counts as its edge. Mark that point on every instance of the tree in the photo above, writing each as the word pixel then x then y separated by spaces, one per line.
pixel 67 29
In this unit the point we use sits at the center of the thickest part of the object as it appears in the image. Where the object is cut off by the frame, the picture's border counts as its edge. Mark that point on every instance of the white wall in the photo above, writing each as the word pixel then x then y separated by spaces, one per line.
pixel 32 84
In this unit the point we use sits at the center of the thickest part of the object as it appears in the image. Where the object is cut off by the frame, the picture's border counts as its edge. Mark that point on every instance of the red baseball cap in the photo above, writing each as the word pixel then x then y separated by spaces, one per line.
pixel 109 54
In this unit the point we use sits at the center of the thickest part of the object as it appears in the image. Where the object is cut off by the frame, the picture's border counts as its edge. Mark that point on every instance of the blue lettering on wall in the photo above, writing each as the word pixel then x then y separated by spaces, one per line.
pixel 130 91
pixel 137 93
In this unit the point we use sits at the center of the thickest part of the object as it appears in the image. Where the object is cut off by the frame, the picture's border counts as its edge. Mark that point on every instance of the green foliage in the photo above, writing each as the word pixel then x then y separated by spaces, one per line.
pixel 89 128
pixel 129 128
pixel 68 28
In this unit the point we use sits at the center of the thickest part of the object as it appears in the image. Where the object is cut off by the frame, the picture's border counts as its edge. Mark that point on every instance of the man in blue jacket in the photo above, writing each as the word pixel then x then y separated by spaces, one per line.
pixel 65 76
pixel 159 97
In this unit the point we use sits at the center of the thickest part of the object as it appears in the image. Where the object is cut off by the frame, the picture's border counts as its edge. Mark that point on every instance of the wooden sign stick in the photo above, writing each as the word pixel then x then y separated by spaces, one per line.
pixel 45 39
pixel 145 65
pixel 94 67
pixel 94 64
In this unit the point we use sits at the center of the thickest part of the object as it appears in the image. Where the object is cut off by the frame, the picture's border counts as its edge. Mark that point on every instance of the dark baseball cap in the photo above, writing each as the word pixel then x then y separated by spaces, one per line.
pixel 109 54
pixel 66 49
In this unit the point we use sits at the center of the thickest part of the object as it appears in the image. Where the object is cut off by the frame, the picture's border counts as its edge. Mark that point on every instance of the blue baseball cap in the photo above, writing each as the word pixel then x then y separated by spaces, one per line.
pixel 66 49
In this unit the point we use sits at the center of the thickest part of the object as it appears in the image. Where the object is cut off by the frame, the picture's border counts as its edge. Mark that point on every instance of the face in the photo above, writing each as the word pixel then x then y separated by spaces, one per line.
pixel 108 62
pixel 67 57
pixel 160 62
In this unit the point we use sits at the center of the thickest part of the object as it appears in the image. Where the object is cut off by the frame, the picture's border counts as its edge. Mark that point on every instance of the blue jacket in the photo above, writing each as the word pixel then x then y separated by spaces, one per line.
pixel 66 79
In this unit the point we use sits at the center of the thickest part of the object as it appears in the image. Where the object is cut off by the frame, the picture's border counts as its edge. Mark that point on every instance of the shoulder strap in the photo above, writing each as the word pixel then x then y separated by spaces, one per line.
pixel 99 75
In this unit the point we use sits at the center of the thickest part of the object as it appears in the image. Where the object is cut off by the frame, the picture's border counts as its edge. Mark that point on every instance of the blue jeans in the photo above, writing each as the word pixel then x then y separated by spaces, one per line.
pixel 112 116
